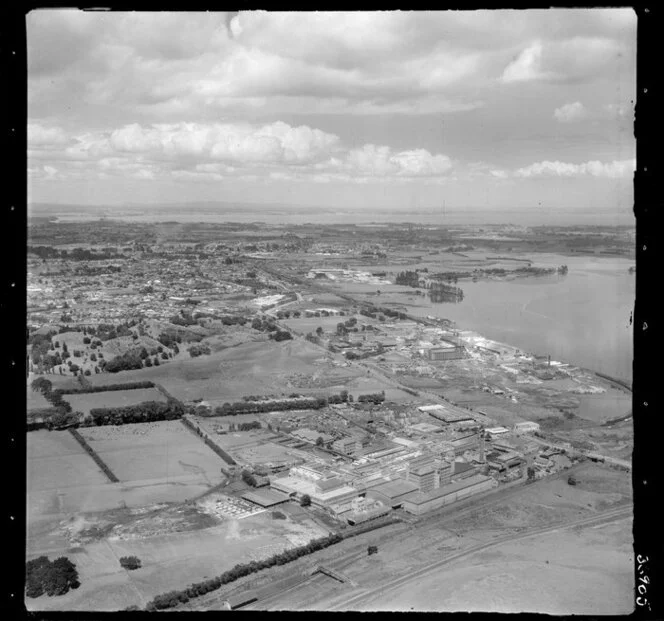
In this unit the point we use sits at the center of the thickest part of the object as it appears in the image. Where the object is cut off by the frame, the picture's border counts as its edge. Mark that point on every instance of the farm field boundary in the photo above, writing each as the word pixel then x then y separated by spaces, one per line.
pixel 215 447
pixel 98 460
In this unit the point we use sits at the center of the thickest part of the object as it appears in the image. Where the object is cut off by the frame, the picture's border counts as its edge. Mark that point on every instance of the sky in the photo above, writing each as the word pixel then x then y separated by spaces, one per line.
pixel 485 110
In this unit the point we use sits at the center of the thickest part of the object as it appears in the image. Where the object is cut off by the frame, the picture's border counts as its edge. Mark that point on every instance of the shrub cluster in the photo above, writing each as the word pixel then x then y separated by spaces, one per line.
pixel 174 598
pixel 126 362
pixel 130 562
pixel 281 335
pixel 199 349
pixel 50 577
pixel 375 398
pixel 231 320
pixel 249 426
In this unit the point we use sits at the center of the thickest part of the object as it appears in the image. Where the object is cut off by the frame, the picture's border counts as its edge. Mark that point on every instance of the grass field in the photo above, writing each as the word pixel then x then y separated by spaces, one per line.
pixel 113 399
pixel 228 375
pixel 55 460
pixel 162 451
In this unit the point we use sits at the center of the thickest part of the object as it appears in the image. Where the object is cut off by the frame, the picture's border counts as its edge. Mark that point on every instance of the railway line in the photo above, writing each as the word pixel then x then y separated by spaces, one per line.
pixel 605 517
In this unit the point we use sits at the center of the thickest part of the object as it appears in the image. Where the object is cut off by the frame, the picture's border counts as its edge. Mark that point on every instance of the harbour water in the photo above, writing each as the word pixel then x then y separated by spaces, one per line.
pixel 583 317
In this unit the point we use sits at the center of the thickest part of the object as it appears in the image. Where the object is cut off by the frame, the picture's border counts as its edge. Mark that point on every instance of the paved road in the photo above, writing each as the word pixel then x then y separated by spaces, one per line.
pixel 357 600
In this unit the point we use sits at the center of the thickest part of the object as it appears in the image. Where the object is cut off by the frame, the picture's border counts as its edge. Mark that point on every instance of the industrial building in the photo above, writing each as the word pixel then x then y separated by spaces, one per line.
pixel 496 431
pixel 324 487
pixel 418 503
pixel 392 493
pixel 265 497
pixel 526 427
pixel 310 436
pixel 446 353
pixel 445 414
pixel 349 445
pixel 365 509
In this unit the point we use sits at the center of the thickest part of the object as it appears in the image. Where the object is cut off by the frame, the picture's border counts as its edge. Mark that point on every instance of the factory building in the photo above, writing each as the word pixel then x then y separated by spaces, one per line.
pixel 348 445
pixel 446 353
pixel 392 493
pixel 526 427
pixel 365 509
pixel 419 503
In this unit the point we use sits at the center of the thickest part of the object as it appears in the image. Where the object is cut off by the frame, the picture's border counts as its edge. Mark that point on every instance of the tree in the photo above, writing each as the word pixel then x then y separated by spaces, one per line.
pixel 130 562
pixel 372 550
pixel 320 441
pixel 41 384
pixel 51 577
pixel 305 501
pixel 531 473
pixel 155 361
pixel 571 480
pixel 319 331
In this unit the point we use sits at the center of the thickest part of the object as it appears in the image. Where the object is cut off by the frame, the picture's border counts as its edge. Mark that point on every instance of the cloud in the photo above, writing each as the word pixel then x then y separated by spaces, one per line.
pixel 574 60
pixel 570 112
pixel 45 137
pixel 594 168
pixel 527 65
pixel 194 151
pixel 276 142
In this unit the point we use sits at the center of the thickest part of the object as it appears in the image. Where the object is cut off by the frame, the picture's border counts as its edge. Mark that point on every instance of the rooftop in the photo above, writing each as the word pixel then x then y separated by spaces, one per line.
pixel 419 498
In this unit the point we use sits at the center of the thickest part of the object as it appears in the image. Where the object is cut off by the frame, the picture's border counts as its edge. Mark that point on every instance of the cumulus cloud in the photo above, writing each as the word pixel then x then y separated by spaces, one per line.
pixel 594 168
pixel 276 142
pixel 570 112
pixel 278 150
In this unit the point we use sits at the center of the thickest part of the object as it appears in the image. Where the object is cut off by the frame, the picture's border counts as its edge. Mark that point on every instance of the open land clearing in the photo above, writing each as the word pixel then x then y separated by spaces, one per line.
pixel 172 560
pixel 250 368
pixel 84 402
pixel 571 571
pixel 546 503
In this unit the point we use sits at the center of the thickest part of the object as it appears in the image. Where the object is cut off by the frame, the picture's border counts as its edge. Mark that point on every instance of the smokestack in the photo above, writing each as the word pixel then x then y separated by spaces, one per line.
pixel 549 359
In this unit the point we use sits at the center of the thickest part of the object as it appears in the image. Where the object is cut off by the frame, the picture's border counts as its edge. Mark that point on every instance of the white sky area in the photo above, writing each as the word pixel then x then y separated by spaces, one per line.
pixel 493 110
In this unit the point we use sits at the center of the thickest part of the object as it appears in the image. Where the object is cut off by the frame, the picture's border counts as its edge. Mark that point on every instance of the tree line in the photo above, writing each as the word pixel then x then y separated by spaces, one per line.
pixel 145 412
pixel 98 460
pixel 108 388
pixel 174 598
